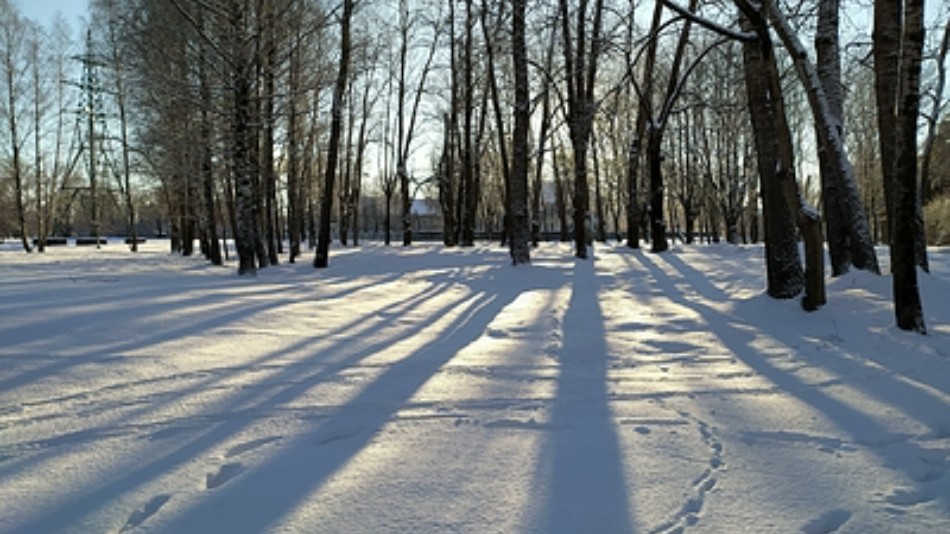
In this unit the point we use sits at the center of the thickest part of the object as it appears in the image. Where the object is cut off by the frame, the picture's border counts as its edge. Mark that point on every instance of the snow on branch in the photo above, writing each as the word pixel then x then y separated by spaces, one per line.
pixel 708 24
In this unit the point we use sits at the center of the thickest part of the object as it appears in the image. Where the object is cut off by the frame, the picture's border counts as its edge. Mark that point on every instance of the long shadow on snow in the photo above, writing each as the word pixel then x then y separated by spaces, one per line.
pixel 290 383
pixel 926 408
pixel 582 456
pixel 301 374
pixel 859 424
pixel 270 491
pixel 374 406
pixel 232 308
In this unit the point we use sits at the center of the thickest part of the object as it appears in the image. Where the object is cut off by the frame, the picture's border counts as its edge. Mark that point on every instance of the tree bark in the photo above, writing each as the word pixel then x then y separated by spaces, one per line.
pixel 898 46
pixel 322 257
pixel 862 247
pixel 518 202
pixel 581 73
pixel 828 67
pixel 245 232
pixel 785 278
pixel 268 175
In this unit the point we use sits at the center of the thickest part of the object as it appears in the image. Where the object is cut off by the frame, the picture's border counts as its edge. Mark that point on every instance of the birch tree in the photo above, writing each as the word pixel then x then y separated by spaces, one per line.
pixel 518 202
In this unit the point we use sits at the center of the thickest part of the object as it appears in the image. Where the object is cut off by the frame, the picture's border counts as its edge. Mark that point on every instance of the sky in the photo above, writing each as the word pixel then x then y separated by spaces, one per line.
pixel 43 11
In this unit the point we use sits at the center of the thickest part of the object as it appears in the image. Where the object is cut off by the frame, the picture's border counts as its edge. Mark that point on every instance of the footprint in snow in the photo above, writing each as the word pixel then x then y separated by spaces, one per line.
pixel 827 523
pixel 248 446
pixel 223 475
pixel 908 497
pixel 148 510
pixel 339 435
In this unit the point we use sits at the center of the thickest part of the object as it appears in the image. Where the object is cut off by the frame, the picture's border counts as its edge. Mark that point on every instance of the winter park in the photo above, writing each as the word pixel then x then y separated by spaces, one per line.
pixel 431 390
pixel 426 266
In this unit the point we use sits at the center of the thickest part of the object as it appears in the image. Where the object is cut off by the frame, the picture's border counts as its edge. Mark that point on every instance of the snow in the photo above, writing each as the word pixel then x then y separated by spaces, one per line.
pixel 431 390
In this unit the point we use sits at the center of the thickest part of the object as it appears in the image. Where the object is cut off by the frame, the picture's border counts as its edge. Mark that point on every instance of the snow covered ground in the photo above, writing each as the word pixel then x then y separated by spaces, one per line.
pixel 425 390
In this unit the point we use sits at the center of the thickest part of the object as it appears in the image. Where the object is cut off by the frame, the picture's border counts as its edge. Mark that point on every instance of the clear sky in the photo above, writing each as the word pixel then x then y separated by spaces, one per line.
pixel 43 11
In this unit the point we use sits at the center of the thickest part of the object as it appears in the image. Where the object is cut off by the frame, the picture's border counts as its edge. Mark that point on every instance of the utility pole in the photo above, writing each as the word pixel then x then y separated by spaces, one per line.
pixel 91 109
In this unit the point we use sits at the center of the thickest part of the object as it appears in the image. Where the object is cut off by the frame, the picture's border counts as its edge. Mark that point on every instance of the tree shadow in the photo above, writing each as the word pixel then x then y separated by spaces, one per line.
pixel 581 458
pixel 339 438
pixel 248 404
pixel 265 493
pixel 863 427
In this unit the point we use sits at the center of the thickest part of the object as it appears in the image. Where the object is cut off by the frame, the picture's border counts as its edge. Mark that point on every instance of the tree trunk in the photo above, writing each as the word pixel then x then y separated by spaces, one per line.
pixel 268 174
pixel 518 203
pixel 862 247
pixel 898 45
pixel 581 73
pixel 294 209
pixel 504 160
pixel 785 278
pixel 12 30
pixel 447 198
pixel 828 67
pixel 245 232
pixel 322 257
pixel 207 166
pixel 41 229
pixel 659 243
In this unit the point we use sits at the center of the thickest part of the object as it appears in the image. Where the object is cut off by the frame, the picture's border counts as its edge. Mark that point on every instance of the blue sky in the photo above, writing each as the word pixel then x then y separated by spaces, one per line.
pixel 43 11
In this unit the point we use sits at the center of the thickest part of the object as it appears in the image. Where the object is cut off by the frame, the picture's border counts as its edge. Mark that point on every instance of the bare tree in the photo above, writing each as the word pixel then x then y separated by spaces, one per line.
pixel 933 117
pixel 863 255
pixel 406 124
pixel 644 115
pixel 783 206
pixel 111 13
pixel 581 55
pixel 42 228
pixel 13 47
pixel 322 257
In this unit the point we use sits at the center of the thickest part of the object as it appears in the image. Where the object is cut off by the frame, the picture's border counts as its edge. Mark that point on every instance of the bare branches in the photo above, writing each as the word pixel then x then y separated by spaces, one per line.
pixel 708 24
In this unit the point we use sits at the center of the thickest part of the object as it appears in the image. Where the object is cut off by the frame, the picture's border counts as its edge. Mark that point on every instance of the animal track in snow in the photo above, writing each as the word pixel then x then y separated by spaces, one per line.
pixel 688 513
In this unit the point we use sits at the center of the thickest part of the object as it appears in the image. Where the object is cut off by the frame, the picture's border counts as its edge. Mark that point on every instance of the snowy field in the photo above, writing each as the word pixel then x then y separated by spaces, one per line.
pixel 426 390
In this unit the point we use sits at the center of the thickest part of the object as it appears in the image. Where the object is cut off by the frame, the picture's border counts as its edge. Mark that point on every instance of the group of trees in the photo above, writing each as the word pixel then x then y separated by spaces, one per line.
pixel 270 122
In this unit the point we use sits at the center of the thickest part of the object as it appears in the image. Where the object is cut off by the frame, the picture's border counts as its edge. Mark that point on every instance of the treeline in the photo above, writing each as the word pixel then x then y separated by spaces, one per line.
pixel 276 123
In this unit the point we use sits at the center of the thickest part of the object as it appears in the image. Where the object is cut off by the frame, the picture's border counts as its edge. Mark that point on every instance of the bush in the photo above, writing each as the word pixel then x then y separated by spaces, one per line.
pixel 937 221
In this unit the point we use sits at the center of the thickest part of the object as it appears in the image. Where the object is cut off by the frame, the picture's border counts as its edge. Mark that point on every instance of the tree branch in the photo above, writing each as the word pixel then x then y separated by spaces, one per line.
pixel 710 25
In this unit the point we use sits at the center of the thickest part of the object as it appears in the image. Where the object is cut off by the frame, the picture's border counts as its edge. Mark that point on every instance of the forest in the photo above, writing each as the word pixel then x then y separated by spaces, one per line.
pixel 269 129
